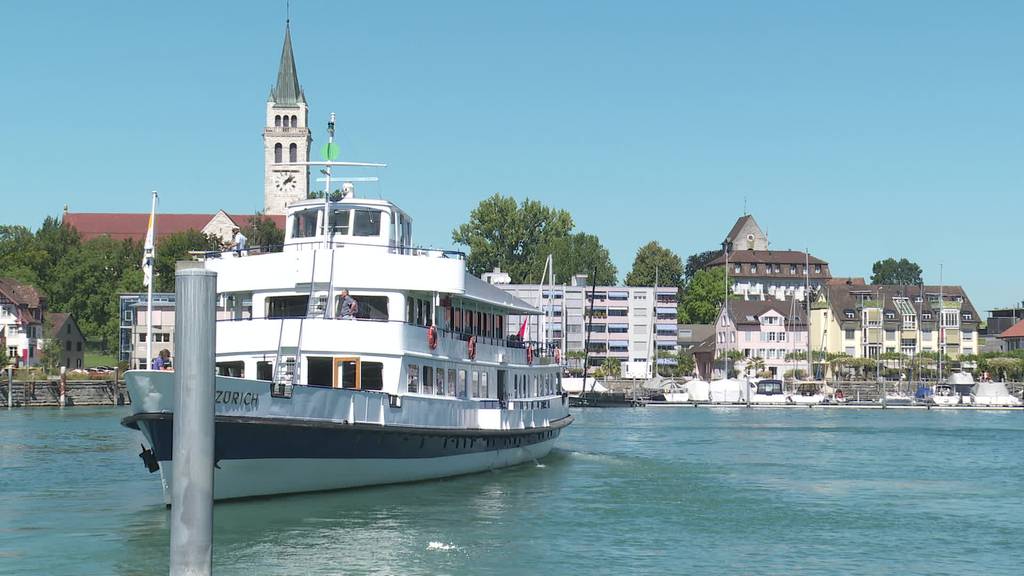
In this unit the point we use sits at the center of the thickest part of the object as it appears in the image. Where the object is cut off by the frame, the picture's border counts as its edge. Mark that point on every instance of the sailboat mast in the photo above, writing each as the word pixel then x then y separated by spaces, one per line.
pixel 586 345
pixel 807 311
pixel 942 330
pixel 654 319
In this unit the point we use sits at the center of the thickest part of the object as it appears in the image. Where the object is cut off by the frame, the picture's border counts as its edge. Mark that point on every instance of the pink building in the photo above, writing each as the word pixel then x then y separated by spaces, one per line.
pixel 769 330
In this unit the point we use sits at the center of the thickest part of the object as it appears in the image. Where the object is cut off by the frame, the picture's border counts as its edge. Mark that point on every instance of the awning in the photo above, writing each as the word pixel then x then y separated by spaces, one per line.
pixel 618 326
pixel 618 294
pixel 665 310
pixel 667 327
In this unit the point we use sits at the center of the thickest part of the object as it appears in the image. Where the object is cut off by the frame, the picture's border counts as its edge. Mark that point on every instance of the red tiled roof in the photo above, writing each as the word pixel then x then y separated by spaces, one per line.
pixel 1015 331
pixel 133 226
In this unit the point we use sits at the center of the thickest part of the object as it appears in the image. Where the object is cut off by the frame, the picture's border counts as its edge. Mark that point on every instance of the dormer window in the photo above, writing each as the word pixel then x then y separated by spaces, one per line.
pixel 792 268
pixel 926 316
pixel 817 268
pixel 890 315
pixel 849 314
pixel 753 268
pixel 738 268
pixel 968 316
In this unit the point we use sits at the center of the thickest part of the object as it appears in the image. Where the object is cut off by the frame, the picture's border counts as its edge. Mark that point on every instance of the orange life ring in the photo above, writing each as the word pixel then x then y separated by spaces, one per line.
pixel 432 337
pixel 529 354
pixel 471 347
pixel 558 356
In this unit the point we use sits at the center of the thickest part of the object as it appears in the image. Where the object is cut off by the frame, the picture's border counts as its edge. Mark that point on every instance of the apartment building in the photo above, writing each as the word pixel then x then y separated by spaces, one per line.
pixel 629 323
pixel 867 321
pixel 769 330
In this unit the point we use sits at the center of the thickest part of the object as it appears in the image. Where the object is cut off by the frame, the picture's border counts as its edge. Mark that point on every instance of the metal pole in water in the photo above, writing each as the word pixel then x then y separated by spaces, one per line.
pixel 192 458
pixel 10 387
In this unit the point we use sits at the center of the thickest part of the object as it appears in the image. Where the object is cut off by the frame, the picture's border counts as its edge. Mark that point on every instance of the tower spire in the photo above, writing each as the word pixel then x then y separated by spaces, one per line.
pixel 287 90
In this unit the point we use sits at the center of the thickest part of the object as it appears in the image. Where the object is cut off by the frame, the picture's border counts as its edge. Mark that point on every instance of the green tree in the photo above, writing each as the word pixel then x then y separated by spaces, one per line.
pixel 890 271
pixel 20 255
pixel 685 363
pixel 611 368
pixel 88 280
pixel 52 356
pixel 703 298
pixel 262 231
pixel 177 246
pixel 578 253
pixel 697 262
pixel 650 257
pixel 502 233
pixel 55 240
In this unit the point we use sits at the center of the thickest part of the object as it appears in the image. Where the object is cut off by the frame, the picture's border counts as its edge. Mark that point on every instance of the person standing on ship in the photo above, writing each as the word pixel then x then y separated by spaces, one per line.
pixel 348 307
pixel 238 241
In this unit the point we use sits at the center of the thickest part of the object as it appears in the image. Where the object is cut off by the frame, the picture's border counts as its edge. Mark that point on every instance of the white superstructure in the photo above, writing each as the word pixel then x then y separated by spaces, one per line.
pixel 422 383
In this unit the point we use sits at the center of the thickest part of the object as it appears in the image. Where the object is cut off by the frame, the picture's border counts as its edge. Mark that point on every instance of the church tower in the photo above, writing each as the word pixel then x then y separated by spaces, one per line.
pixel 286 137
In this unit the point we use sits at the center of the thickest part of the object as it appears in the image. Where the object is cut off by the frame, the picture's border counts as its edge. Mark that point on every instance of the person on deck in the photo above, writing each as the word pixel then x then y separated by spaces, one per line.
pixel 238 241
pixel 162 361
pixel 348 307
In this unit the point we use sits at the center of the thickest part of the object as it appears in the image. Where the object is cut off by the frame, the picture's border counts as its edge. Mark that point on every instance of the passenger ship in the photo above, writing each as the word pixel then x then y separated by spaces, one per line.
pixel 423 383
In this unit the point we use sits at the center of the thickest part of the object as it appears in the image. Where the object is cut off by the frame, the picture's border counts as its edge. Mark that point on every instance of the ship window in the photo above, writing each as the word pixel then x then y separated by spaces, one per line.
pixel 367 223
pixel 233 369
pixel 461 392
pixel 428 379
pixel 476 384
pixel 318 371
pixel 287 306
pixel 304 223
pixel 439 382
pixel 451 382
pixel 484 391
pixel 413 382
pixel 369 307
pixel 264 371
pixel 372 375
pixel 339 221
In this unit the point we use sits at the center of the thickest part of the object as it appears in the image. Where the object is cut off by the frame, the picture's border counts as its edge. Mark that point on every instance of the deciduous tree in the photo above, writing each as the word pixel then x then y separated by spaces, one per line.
pixel 653 257
pixel 890 271
pixel 703 297
pixel 698 261
pixel 502 233
pixel 578 253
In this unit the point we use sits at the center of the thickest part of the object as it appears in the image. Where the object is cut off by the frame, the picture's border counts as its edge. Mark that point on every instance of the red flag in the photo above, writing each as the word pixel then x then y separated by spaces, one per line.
pixel 522 329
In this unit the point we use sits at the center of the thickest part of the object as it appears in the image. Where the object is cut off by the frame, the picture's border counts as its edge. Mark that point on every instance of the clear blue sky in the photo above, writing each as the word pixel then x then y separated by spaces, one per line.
pixel 857 129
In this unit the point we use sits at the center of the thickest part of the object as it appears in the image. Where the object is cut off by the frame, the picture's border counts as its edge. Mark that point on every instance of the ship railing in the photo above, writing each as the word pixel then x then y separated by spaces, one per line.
pixel 314 244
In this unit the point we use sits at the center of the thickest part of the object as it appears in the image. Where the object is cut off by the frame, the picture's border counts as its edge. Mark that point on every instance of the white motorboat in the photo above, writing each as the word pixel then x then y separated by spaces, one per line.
pixel 421 383
pixel 993 394
pixel 768 392
pixel 945 395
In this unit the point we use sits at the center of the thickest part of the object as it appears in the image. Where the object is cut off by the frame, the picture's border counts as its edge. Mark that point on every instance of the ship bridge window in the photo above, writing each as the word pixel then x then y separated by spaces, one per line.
pixel 264 371
pixel 367 223
pixel 340 221
pixel 304 223
pixel 372 376
pixel 287 306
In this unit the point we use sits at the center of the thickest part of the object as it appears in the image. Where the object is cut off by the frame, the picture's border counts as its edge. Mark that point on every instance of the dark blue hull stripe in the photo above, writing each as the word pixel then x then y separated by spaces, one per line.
pixel 244 439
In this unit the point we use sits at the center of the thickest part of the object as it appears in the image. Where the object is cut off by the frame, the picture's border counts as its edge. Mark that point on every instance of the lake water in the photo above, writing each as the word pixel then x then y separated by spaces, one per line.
pixel 628 491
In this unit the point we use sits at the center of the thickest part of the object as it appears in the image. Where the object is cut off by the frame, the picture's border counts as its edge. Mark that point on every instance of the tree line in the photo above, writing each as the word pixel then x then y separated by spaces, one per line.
pixel 84 278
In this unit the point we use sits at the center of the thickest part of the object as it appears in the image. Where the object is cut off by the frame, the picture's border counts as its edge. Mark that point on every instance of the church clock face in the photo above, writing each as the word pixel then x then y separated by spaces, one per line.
pixel 285 181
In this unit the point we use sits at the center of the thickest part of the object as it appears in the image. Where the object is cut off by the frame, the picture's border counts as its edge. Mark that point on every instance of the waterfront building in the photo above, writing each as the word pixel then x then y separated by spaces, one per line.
pixel 62 327
pixel 630 323
pixel 1001 319
pixel 132 307
pixel 758 273
pixel 866 321
pixel 690 336
pixel 1013 337
pixel 767 330
pixel 21 322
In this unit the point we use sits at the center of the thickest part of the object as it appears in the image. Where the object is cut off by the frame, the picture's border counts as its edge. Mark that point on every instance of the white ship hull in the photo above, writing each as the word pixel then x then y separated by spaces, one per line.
pixel 267 445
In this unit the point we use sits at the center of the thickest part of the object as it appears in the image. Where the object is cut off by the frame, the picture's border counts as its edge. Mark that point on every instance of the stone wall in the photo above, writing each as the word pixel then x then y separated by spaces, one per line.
pixel 78 393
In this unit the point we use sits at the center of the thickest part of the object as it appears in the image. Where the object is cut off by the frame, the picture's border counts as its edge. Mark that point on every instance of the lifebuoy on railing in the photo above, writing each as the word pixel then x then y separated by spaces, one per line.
pixel 432 337
pixel 471 347
pixel 529 354
pixel 558 355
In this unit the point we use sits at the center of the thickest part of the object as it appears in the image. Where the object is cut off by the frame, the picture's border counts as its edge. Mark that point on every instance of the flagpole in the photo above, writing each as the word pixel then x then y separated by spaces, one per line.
pixel 149 288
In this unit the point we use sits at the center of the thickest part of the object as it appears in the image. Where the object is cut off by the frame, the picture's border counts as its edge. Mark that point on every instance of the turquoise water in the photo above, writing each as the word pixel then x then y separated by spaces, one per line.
pixel 629 491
